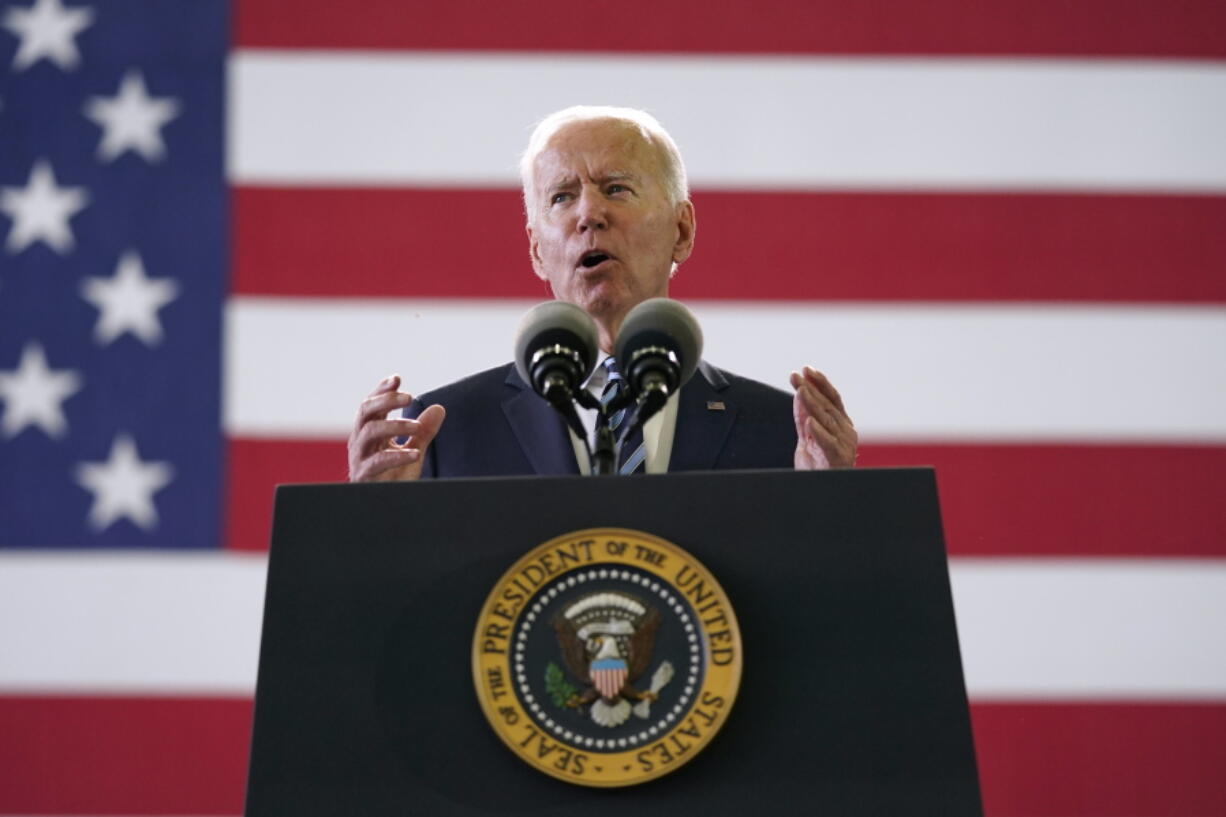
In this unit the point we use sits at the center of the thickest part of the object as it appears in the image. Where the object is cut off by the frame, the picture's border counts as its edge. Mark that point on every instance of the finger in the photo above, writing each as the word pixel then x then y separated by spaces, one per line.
pixel 807 403
pixel 839 449
pixel 429 422
pixel 375 465
pixel 823 384
pixel 378 406
pixel 824 437
pixel 389 383
pixel 379 434
pixel 820 407
pixel 800 412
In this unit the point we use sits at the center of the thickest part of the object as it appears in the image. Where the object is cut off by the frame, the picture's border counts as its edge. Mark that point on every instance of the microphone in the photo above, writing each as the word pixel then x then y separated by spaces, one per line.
pixel 555 352
pixel 657 351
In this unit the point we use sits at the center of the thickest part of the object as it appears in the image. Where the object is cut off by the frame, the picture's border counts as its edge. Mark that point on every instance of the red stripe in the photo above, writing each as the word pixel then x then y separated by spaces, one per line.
pixel 189 756
pixel 781 246
pixel 1074 500
pixel 255 467
pixel 996 500
pixel 61 755
pixel 1101 760
pixel 1170 28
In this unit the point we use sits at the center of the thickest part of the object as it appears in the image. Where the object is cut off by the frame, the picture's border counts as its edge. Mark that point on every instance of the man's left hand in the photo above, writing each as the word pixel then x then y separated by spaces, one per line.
pixel 825 435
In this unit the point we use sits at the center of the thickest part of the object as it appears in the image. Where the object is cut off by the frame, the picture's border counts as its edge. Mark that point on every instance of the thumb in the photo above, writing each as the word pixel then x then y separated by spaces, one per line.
pixel 431 420
pixel 800 414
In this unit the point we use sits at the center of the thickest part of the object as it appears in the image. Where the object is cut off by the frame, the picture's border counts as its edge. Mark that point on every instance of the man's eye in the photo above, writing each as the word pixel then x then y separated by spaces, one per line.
pixel 617 188
pixel 558 198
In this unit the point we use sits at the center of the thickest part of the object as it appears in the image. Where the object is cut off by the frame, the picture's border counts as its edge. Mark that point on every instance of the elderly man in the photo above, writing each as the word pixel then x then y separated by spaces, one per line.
pixel 608 220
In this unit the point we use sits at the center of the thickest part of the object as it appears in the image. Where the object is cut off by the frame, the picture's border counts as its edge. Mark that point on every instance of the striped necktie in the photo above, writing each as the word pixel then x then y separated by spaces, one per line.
pixel 634 450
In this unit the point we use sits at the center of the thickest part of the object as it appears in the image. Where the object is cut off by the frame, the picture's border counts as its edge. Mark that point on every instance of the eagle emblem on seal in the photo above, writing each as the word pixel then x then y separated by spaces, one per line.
pixel 606 640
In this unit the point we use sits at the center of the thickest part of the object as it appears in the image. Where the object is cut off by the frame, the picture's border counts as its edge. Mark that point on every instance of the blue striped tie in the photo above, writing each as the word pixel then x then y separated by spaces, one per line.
pixel 634 450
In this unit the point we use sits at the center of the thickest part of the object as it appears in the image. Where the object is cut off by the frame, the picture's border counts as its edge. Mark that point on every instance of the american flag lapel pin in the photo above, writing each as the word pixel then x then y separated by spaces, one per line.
pixel 715 405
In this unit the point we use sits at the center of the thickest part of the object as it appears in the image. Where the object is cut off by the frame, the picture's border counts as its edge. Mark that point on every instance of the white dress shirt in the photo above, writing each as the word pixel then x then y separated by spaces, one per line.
pixel 657 433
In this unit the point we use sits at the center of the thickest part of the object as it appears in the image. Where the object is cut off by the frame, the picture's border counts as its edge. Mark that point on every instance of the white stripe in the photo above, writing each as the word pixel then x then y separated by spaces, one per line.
pixel 123 622
pixel 773 122
pixel 635 459
pixel 1094 629
pixel 299 367
pixel 168 624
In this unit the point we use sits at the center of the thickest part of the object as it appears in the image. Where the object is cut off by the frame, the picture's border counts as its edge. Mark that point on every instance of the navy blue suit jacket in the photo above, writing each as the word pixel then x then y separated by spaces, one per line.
pixel 497 426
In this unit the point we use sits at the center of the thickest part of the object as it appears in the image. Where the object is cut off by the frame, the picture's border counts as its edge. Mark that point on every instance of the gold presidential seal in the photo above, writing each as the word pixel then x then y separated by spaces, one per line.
pixel 606 657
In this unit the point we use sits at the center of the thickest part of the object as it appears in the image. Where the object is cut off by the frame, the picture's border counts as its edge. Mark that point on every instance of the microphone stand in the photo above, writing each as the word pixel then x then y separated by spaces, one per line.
pixel 603 454
pixel 556 389
pixel 647 405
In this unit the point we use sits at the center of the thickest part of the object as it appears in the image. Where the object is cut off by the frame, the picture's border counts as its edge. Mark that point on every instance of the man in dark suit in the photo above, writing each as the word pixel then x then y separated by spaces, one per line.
pixel 608 221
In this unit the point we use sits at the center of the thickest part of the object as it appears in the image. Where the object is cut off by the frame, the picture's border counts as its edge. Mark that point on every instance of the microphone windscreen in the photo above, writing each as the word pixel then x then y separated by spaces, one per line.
pixel 555 322
pixel 661 322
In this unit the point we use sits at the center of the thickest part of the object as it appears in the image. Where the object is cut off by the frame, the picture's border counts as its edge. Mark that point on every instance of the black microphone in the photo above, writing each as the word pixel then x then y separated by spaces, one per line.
pixel 555 352
pixel 658 349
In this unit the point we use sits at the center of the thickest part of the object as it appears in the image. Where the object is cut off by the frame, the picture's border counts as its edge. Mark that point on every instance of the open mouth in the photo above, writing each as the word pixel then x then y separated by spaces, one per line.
pixel 593 258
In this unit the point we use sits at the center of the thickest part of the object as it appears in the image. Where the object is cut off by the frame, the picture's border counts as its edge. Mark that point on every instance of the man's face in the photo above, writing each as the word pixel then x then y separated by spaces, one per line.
pixel 602 231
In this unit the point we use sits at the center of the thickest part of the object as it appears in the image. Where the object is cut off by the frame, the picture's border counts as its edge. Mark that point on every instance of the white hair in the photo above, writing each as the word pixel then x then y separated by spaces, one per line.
pixel 673 169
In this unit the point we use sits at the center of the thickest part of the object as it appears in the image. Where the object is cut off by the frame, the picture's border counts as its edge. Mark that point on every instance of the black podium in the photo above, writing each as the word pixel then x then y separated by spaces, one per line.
pixel 852 700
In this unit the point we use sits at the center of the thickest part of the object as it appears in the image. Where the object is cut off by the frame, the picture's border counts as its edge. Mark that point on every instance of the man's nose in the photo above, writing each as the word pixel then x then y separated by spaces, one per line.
pixel 591 211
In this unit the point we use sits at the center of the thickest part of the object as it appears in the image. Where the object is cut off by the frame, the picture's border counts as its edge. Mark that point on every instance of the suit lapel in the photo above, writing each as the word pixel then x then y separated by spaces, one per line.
pixel 702 426
pixel 540 430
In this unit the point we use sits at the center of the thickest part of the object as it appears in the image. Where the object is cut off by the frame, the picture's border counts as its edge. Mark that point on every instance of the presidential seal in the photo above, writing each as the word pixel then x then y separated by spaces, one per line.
pixel 607 657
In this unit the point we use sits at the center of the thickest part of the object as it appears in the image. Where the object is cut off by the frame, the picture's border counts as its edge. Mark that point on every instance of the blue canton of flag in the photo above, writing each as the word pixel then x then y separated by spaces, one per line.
pixel 112 272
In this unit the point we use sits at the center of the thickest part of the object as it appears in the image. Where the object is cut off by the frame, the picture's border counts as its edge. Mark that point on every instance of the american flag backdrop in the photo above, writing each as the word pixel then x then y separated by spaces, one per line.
pixel 999 227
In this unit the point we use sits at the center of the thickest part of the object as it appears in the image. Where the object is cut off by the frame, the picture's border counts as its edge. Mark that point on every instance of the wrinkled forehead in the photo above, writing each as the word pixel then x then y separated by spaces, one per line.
pixel 599 149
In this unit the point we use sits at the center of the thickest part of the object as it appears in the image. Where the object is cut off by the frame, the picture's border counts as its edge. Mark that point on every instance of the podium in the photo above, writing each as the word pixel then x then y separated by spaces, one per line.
pixel 851 701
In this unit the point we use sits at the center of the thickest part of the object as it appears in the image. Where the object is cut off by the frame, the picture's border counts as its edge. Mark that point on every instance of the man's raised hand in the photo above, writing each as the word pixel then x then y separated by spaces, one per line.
pixel 825 435
pixel 374 454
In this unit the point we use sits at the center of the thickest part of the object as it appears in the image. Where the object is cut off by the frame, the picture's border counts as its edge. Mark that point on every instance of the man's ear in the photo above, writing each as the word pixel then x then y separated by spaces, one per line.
pixel 686 225
pixel 534 252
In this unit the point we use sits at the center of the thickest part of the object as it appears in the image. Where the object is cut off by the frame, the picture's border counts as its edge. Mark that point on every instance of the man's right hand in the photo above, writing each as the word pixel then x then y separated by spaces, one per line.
pixel 374 455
